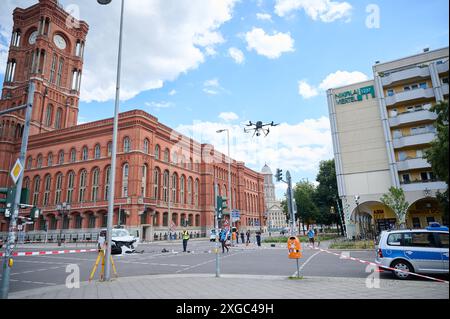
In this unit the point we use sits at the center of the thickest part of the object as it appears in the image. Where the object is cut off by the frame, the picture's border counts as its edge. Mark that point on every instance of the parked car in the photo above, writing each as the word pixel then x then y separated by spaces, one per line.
pixel 213 235
pixel 121 241
pixel 414 250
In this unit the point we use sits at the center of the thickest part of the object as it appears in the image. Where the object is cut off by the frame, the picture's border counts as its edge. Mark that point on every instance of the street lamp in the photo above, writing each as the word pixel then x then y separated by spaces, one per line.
pixel 62 210
pixel 114 149
pixel 229 174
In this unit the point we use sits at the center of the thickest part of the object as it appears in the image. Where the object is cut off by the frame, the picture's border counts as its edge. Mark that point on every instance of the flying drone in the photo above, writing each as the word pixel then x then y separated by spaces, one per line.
pixel 258 127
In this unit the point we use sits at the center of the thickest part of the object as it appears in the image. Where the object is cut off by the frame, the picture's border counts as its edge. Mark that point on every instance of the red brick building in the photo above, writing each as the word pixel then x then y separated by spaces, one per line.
pixel 161 175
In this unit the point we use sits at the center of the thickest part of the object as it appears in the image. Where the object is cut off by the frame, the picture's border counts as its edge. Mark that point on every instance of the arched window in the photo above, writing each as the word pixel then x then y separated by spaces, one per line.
pixel 174 158
pixel 126 145
pixel 182 189
pixel 50 159
pixel 174 187
pixel 70 185
pixel 97 151
pixel 107 181
pixel 156 183
pixel 166 186
pixel 47 185
pixel 109 148
pixel 29 162
pixel 58 118
pixel 36 190
pixel 73 155
pixel 84 154
pixel 83 180
pixel 39 161
pixel 59 180
pixel 144 180
pixel 48 115
pixel 61 158
pixel 26 184
pixel 125 170
pixel 166 155
pixel 95 184
pixel 146 145
pixel 60 70
pixel 189 189
pixel 53 68
pixel 196 185
pixel 157 152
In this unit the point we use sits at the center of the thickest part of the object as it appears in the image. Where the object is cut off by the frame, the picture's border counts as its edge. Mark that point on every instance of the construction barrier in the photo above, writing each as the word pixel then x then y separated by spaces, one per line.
pixel 54 252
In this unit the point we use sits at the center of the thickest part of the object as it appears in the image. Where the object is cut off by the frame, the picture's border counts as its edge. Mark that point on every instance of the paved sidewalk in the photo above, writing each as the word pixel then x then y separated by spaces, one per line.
pixel 207 286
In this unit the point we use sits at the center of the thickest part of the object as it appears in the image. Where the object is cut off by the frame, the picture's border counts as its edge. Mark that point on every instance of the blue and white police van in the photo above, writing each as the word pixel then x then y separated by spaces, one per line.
pixel 422 251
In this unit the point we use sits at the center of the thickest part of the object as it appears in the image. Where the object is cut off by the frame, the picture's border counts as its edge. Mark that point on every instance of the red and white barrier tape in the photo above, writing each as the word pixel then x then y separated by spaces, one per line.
pixel 341 256
pixel 54 252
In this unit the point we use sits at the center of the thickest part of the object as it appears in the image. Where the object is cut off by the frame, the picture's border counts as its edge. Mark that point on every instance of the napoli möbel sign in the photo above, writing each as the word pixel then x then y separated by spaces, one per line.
pixel 355 95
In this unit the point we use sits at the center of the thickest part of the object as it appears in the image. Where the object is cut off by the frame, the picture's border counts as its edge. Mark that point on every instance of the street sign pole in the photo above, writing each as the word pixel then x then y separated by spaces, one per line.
pixel 15 206
pixel 216 209
pixel 290 208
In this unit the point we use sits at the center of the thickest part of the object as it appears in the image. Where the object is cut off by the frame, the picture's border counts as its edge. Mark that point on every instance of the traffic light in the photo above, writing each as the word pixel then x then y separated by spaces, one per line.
pixel 35 213
pixel 7 200
pixel 221 205
pixel 279 175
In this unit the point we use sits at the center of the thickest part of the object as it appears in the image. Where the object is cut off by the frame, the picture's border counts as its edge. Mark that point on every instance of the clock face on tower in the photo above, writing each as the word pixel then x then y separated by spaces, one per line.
pixel 32 38
pixel 59 42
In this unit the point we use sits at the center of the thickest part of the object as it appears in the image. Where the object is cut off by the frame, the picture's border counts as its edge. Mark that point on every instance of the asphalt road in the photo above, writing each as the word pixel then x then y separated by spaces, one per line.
pixel 40 271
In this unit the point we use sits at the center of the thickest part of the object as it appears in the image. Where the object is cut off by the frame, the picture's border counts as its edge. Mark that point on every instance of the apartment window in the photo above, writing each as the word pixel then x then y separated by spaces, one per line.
pixel 58 118
pixel 70 184
pixel 414 87
pixel 426 176
pixel 157 152
pixel 156 183
pixel 393 113
pixel 407 88
pixel 397 133
pixel 109 147
pixel 423 85
pixel 390 92
pixel 402 156
pixel 189 190
pixel 48 116
pixel 61 158
pixel 166 186
pixel 410 109
pixel 47 185
pixel 29 162
pixel 445 80
pixel 39 161
pixel 406 178
pixel 146 144
pixel 126 145
pixel 37 185
pixel 182 185
pixel 84 155
pixel 166 155
pixel 50 159
pixel 419 154
pixel 174 187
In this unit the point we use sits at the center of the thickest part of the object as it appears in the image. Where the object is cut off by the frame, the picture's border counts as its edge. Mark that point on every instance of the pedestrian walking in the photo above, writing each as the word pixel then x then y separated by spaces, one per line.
pixel 237 236
pixel 242 237
pixel 248 237
pixel 311 235
pixel 185 236
pixel 223 239
pixel 258 238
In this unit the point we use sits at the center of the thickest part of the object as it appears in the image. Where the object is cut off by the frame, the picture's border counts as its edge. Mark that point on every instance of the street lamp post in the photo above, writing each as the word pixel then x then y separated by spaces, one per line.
pixel 114 149
pixel 62 210
pixel 229 175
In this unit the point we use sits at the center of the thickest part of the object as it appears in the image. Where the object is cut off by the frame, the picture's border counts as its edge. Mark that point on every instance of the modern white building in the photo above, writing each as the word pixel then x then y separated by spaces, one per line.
pixel 276 218
pixel 381 129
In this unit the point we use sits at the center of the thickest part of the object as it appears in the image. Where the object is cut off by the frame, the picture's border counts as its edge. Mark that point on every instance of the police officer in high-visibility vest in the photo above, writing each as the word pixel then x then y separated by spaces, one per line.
pixel 185 235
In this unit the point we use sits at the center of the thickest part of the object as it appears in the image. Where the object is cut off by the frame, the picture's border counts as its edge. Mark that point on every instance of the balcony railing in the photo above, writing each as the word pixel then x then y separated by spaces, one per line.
pixel 412 163
pixel 411 95
pixel 417 72
pixel 414 139
pixel 411 117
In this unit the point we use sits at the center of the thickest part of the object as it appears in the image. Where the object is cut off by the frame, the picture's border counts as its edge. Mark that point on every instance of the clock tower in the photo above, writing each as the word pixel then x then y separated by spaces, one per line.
pixel 47 47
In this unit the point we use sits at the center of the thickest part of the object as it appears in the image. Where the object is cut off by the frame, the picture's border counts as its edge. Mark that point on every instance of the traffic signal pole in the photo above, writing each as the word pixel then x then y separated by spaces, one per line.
pixel 216 242
pixel 290 206
pixel 7 261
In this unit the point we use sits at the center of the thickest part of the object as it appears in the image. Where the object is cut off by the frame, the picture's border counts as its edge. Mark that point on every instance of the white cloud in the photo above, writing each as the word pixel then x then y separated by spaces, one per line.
pixel 213 87
pixel 325 10
pixel 162 39
pixel 331 81
pixel 270 46
pixel 264 16
pixel 306 91
pixel 237 55
pixel 159 105
pixel 342 78
pixel 172 92
pixel 298 148
pixel 228 116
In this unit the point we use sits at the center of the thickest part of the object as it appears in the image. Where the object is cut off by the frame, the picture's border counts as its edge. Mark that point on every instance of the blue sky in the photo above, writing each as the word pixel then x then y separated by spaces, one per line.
pixel 178 67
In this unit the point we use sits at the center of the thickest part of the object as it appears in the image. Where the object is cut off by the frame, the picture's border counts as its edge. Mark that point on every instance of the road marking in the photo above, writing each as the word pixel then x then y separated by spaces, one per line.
pixel 305 263
pixel 207 262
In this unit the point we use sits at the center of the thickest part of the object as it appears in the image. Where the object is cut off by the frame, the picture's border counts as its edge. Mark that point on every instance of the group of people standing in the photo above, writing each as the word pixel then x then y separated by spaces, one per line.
pixel 226 238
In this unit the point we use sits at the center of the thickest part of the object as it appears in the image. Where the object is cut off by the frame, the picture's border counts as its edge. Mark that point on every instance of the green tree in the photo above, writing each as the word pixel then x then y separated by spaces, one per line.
pixel 395 199
pixel 437 154
pixel 307 210
pixel 326 193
